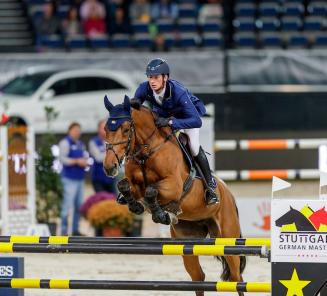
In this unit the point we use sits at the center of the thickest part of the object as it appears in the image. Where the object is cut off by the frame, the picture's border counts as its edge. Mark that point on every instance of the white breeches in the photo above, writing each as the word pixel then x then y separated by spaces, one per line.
pixel 194 140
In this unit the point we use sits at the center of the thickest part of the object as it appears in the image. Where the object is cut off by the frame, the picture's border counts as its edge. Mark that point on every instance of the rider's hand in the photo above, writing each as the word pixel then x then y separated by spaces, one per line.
pixel 135 103
pixel 162 122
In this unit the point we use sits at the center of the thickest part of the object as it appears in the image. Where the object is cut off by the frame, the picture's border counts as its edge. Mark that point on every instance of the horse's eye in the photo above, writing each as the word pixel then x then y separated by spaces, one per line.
pixel 125 131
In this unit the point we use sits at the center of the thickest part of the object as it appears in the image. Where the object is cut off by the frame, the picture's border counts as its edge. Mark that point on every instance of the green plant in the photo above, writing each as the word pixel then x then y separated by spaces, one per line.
pixel 48 183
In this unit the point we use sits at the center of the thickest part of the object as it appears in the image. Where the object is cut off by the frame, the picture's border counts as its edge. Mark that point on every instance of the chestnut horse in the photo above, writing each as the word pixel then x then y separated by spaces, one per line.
pixel 155 171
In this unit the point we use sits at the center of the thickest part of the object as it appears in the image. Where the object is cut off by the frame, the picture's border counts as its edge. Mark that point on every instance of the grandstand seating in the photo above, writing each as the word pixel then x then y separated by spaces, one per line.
pixel 256 24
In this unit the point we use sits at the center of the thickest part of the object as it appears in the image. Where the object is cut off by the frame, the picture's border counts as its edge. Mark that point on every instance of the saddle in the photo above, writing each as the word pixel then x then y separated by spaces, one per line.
pixel 194 172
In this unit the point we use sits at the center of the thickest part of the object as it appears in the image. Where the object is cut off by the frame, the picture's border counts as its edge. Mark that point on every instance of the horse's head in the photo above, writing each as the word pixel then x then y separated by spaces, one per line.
pixel 287 218
pixel 119 133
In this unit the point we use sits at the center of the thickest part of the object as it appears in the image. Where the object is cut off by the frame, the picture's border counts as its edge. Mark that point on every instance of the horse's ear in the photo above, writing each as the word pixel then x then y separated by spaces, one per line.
pixel 107 103
pixel 127 104
pixel 291 208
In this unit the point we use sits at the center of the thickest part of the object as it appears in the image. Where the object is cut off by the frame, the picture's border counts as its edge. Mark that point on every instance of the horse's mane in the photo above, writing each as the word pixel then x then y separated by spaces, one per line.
pixel 145 110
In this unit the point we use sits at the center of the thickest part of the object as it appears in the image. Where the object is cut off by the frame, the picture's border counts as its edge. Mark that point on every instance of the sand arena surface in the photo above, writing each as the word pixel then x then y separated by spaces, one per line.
pixel 127 267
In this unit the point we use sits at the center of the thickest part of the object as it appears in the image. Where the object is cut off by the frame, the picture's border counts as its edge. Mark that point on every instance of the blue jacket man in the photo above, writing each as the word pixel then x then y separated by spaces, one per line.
pixel 178 108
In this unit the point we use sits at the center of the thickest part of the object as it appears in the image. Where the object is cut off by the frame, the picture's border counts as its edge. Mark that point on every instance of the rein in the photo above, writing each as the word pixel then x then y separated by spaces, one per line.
pixel 137 155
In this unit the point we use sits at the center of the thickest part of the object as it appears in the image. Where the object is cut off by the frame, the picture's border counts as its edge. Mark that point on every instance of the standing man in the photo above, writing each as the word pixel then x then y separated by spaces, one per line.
pixel 73 157
pixel 97 149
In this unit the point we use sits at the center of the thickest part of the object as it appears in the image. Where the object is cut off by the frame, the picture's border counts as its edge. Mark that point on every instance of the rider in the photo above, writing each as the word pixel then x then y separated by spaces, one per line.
pixel 178 108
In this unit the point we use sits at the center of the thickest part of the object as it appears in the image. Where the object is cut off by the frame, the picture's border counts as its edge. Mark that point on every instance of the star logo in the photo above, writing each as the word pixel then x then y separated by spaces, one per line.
pixel 294 285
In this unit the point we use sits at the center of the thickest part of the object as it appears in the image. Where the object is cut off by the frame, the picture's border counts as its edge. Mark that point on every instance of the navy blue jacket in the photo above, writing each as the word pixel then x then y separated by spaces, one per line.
pixel 76 150
pixel 179 103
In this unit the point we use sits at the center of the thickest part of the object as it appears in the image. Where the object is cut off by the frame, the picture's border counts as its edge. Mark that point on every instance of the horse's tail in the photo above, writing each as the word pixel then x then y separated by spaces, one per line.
pixel 225 275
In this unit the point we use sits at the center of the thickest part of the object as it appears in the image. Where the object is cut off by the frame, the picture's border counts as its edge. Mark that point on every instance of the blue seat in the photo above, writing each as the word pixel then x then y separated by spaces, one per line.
pixel 269 9
pixel 297 40
pixel 140 27
pixel 320 40
pixel 62 11
pixel 77 42
pixel 245 10
pixel 314 23
pixel 271 40
pixel 317 8
pixel 52 41
pixel 244 24
pixel 165 25
pixel 290 23
pixel 188 39
pixel 245 40
pixel 121 41
pixel 187 24
pixel 100 42
pixel 268 24
pixel 169 39
pixel 212 40
pixel 187 10
pixel 293 9
pixel 212 25
pixel 143 40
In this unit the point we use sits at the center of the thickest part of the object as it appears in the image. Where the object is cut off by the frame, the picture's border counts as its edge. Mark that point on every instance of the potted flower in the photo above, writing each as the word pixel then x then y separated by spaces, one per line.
pixel 114 219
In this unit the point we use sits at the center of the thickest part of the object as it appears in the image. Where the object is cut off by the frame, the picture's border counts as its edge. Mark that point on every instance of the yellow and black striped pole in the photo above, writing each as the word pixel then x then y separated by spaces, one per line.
pixel 197 250
pixel 135 285
pixel 135 240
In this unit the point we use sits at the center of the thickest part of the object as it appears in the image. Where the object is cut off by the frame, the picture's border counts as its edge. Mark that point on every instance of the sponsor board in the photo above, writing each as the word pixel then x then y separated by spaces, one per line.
pixel 299 231
pixel 11 267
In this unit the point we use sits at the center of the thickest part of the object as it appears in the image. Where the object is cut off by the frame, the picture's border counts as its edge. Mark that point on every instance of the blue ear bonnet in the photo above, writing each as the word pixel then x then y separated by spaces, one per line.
pixel 118 114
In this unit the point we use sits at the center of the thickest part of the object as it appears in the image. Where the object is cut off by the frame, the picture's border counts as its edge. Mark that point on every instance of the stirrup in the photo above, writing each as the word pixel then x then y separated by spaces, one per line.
pixel 211 198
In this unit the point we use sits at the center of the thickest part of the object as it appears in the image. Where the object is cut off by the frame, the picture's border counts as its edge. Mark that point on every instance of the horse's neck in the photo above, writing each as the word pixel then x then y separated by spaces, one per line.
pixel 145 128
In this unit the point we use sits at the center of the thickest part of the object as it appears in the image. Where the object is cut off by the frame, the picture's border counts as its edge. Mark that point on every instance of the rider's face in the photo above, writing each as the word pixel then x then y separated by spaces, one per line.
pixel 157 82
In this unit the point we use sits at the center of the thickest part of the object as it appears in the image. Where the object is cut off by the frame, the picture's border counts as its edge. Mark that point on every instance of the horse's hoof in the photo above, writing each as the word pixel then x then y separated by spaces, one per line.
pixel 161 217
pixel 136 208
pixel 121 200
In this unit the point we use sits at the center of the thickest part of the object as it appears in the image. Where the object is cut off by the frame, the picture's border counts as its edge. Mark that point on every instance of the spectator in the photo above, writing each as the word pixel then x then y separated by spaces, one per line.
pixel 164 9
pixel 140 11
pixel 73 157
pixel 159 44
pixel 71 25
pixel 212 9
pixel 91 7
pixel 95 25
pixel 48 24
pixel 120 23
pixel 97 150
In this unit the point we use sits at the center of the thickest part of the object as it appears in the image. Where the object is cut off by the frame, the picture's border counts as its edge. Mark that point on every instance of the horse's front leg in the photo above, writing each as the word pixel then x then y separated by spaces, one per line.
pixel 133 205
pixel 158 214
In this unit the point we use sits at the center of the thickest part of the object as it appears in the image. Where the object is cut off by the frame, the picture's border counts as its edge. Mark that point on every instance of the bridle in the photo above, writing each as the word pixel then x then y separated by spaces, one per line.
pixel 137 154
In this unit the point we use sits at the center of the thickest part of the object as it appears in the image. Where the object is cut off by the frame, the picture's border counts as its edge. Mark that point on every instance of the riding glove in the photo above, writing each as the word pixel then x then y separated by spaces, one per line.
pixel 162 122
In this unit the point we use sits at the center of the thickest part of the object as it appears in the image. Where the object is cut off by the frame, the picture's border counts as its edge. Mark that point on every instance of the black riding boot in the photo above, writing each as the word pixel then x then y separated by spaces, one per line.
pixel 211 196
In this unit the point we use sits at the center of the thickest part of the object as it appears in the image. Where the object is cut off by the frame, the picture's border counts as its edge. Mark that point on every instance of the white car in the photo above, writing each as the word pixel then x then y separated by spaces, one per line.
pixel 76 94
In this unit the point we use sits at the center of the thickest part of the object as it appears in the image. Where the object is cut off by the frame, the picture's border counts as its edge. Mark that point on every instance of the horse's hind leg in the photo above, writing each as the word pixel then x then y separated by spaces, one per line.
pixel 125 189
pixel 228 224
pixel 231 264
pixel 185 229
